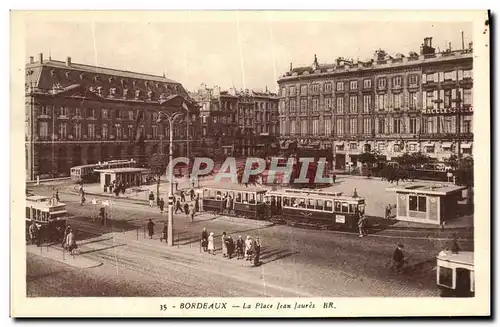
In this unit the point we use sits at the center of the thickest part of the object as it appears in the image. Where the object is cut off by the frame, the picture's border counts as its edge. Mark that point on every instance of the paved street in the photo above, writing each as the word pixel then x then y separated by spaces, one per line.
pixel 296 262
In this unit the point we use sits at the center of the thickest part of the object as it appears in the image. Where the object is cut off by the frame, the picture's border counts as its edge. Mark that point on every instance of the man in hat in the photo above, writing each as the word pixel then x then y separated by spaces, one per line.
pixel 398 258
pixel 151 228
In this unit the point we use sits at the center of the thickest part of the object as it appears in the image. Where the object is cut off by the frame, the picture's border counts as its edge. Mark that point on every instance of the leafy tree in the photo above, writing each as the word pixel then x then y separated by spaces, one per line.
pixel 157 165
pixel 464 170
pixel 412 159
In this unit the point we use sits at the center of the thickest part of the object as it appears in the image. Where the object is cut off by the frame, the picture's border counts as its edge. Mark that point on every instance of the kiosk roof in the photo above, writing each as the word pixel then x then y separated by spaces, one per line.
pixel 121 170
pixel 432 189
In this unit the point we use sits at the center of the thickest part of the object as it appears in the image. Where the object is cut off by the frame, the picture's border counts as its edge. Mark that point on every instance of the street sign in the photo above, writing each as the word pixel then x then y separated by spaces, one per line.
pixel 171 200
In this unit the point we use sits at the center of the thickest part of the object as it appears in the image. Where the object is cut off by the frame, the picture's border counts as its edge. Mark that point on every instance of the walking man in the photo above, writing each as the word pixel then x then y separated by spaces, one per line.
pixel 178 206
pixel 191 193
pixel 151 228
pixel 192 211
pixel 362 225
pixel 240 246
pixel 204 239
pixel 162 205
pixel 183 196
pixel 256 249
pixel 151 199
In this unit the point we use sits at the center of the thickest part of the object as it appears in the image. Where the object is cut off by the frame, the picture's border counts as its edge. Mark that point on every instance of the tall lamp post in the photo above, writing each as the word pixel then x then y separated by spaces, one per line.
pixel 171 118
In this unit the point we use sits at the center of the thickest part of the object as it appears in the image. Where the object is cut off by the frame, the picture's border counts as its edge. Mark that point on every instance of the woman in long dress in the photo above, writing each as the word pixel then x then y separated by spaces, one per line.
pixel 211 245
pixel 248 248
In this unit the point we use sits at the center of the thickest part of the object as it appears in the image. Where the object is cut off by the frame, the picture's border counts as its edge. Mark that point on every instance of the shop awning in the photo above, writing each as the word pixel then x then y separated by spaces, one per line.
pixel 446 145
pixel 429 145
pixel 466 146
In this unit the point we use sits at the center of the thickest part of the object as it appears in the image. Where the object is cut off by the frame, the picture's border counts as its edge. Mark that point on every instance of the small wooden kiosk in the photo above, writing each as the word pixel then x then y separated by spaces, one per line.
pixel 427 203
pixel 132 176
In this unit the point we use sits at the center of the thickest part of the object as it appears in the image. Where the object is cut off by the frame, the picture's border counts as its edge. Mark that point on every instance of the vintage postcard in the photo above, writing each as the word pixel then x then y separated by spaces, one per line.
pixel 250 163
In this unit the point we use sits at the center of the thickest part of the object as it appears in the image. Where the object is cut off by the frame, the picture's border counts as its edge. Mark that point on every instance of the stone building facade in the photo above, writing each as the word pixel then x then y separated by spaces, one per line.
pixel 420 102
pixel 80 114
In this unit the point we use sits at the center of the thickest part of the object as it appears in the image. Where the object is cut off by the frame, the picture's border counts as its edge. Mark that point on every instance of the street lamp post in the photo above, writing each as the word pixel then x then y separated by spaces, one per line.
pixel 171 118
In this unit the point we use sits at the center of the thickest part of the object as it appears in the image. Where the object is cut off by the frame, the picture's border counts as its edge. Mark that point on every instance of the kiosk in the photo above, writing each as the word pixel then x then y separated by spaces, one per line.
pixel 132 176
pixel 427 203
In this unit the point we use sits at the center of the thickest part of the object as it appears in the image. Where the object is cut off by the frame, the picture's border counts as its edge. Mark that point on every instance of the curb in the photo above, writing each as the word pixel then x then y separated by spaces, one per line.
pixel 77 261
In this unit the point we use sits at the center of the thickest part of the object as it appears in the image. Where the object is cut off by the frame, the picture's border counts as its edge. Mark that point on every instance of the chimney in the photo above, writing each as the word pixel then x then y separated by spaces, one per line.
pixel 32 60
pixel 40 57
pixel 68 61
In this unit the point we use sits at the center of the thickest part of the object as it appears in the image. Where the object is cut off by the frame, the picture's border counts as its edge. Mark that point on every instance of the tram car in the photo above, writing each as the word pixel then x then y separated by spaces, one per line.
pixel 455 274
pixel 48 215
pixel 316 208
pixel 244 201
pixel 87 174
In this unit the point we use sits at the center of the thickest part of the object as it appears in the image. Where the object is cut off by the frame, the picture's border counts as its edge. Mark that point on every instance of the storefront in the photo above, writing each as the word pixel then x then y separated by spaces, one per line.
pixel 429 204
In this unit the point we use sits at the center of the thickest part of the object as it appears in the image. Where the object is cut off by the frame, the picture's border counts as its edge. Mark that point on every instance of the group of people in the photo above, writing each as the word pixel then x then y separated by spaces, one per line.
pixel 116 187
pixel 247 249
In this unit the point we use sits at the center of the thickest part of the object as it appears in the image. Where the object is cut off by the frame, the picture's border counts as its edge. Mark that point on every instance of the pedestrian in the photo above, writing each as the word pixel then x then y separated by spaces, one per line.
pixel 362 225
pixel 192 212
pixel 224 245
pixel 455 248
pixel 388 210
pixel 230 246
pixel 57 195
pixel 256 249
pixel 334 177
pixel 33 231
pixel 111 188
pixel 151 228
pixel 186 208
pixel 197 203
pixel 191 193
pixel 71 241
pixel 176 185
pixel 204 239
pixel 165 232
pixel 82 198
pixel 183 196
pixel 211 245
pixel 248 248
pixel 229 202
pixel 240 246
pixel 151 199
pixel 398 258
pixel 162 205
pixel 178 206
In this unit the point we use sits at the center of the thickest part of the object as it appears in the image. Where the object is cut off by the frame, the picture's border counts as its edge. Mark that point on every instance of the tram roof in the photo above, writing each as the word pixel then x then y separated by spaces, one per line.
pixel 318 194
pixel 237 187
pixel 121 170
pixel 38 198
pixel 462 257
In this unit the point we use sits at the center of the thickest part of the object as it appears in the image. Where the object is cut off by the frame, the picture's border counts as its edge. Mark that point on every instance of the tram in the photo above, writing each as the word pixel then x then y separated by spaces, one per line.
pixel 316 208
pixel 85 173
pixel 455 274
pixel 244 201
pixel 306 207
pixel 49 216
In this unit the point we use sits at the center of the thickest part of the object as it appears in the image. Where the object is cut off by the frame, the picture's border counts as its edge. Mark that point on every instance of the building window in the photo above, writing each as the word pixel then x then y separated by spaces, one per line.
pixel 382 101
pixel 353 126
pixel 328 127
pixel 315 104
pixel 105 113
pixel 466 124
pixel 418 203
pixel 396 148
pixel 430 125
pixel 303 105
pixel 292 91
pixel 283 91
pixel 468 97
pixel 367 125
pixel 381 146
pixel 90 113
pixel 381 126
pixel 328 103
pixel 382 82
pixel 293 127
pixel 367 103
pixel 42 111
pixel 315 127
pixel 292 105
pixel 315 87
pixel 340 126
pixel 154 131
pixel 353 104
pixel 396 127
pixel 62 130
pixel 397 100
pixel 78 131
pixel 447 125
pixel 429 149
pixel 303 127
pixel 429 78
pixel 396 82
pixel 204 119
pixel 413 125
pixel 412 147
pixel 340 86
pixel 328 87
pixel 340 105
pixel 412 100
pixel 131 115
pixel 63 111
pixel 429 99
pixel 104 131
pixel 413 80
pixel 91 131
pixel 447 98
pixel 353 146
pixel 303 90
pixel 353 85
pixel 78 112
pixel 467 73
pixel 450 76
pixel 118 129
pixel 43 129
pixel 367 83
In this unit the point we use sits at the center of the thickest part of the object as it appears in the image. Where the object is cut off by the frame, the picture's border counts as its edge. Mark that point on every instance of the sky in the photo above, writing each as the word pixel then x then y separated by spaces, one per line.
pixel 245 51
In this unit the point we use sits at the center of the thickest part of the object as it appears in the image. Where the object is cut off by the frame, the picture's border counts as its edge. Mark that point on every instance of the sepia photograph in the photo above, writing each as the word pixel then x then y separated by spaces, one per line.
pixel 250 163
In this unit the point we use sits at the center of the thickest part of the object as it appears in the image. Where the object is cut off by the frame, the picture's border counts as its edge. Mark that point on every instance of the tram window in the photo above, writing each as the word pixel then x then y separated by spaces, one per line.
pixel 218 195
pixel 352 208
pixel 251 198
pixel 244 197
pixel 286 201
pixel 231 194
pixel 337 206
pixel 293 202
pixel 328 206
pixel 206 193
pixel 302 203
pixel 319 205
pixel 28 213
pixel 311 204
pixel 212 194
pixel 345 207
pixel 446 276
pixel 260 198
pixel 238 197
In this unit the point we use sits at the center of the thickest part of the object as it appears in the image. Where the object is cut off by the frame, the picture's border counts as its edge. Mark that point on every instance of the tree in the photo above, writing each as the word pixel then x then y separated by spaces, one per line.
pixel 415 159
pixel 158 165
pixel 463 170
